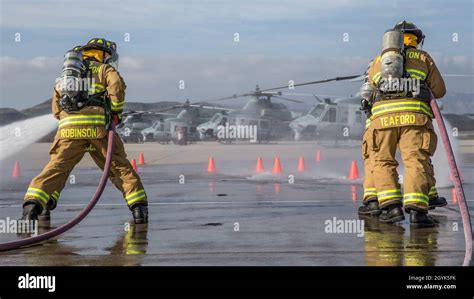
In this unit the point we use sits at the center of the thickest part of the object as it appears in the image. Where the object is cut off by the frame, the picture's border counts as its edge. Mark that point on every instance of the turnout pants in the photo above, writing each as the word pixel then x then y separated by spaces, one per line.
pixel 417 143
pixel 370 192
pixel 66 153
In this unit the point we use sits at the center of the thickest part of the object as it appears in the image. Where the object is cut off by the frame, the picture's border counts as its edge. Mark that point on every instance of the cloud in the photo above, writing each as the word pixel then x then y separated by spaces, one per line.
pixel 132 63
pixel 36 64
pixel 29 81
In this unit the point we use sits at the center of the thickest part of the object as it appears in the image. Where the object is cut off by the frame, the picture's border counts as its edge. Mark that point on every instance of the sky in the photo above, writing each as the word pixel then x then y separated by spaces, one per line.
pixel 163 42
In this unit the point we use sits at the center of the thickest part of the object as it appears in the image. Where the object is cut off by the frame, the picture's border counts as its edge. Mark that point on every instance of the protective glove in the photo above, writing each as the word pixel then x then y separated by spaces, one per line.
pixel 116 118
pixel 365 105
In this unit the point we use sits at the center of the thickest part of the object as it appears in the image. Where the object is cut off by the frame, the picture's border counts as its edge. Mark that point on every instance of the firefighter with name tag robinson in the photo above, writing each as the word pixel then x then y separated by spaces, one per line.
pixel 84 114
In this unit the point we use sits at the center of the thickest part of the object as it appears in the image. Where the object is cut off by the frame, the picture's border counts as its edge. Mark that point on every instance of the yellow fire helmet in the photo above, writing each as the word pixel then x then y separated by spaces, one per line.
pixel 408 28
pixel 103 50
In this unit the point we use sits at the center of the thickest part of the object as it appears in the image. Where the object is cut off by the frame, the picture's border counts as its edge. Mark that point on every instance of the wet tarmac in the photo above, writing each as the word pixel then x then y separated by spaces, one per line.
pixel 232 217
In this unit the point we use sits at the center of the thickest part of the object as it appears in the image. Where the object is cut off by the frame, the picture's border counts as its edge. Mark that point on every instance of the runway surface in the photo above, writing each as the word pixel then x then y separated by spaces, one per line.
pixel 231 217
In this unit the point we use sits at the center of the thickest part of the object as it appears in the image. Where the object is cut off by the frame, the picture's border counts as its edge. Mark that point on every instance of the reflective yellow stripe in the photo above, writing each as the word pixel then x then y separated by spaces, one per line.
pixel 417 73
pixel 136 196
pixel 82 120
pixel 370 191
pixel 83 116
pixel 117 104
pixel 35 195
pixel 96 88
pixel 415 200
pixel 385 198
pixel 376 77
pixel 415 194
pixel 135 193
pixel 389 194
pixel 132 201
pixel 390 191
pixel 414 106
pixel 55 195
pixel 415 197
pixel 406 108
pixel 416 76
pixel 433 192
pixel 38 193
pixel 368 121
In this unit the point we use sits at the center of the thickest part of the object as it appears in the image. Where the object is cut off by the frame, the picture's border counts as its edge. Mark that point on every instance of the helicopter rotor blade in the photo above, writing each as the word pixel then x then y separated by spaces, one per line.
pixel 289 100
pixel 169 108
pixel 358 79
pixel 311 95
pixel 209 107
pixel 317 98
pixel 224 99
pixel 316 82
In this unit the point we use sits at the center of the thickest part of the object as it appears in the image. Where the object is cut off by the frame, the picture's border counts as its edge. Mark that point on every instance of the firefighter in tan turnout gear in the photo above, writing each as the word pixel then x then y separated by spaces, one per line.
pixel 369 199
pixel 397 93
pixel 83 116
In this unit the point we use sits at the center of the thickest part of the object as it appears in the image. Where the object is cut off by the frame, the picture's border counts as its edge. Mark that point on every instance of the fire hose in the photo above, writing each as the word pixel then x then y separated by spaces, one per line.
pixel 67 226
pixel 466 219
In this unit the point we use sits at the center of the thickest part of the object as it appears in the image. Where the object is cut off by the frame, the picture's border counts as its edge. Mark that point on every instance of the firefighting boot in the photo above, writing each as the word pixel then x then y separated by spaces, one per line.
pixel 31 211
pixel 437 202
pixel 393 214
pixel 45 215
pixel 371 209
pixel 140 214
pixel 420 219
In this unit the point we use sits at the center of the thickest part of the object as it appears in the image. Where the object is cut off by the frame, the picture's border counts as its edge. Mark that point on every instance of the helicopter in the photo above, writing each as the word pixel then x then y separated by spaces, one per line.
pixel 164 130
pixel 262 117
pixel 134 122
pixel 338 119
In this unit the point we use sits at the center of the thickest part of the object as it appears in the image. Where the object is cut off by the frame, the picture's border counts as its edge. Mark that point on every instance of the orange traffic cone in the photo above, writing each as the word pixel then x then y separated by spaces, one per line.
pixel 318 156
pixel 301 166
pixel 454 196
pixel 354 171
pixel 211 168
pixel 277 166
pixel 259 167
pixel 141 159
pixel 134 165
pixel 16 172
